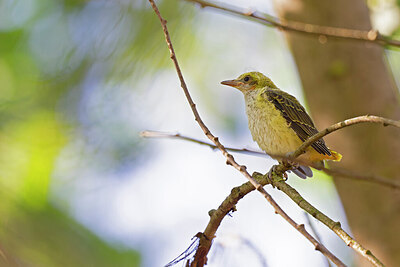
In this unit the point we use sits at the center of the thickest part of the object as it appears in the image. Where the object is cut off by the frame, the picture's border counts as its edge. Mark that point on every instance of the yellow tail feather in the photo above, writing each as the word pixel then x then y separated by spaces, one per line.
pixel 335 156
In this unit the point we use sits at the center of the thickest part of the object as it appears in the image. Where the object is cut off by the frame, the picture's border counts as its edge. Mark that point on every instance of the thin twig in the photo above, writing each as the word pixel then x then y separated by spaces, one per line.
pixel 340 125
pixel 340 173
pixel 315 232
pixel 334 226
pixel 205 244
pixel 371 36
pixel 157 134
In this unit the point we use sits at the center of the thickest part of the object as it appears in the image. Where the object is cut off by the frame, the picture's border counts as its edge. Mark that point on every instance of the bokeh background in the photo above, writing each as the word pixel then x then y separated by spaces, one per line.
pixel 79 81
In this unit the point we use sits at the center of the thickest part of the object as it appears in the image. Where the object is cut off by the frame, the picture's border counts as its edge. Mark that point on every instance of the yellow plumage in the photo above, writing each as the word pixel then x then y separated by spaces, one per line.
pixel 267 126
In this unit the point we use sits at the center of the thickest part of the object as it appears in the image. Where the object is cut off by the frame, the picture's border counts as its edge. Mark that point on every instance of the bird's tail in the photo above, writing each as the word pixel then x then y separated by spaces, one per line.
pixel 335 156
pixel 303 172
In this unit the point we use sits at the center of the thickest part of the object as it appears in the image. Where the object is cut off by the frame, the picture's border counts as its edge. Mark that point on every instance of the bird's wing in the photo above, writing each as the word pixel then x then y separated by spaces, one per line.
pixel 296 117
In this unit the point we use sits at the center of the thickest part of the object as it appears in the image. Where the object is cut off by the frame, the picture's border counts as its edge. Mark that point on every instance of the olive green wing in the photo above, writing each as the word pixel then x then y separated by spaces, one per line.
pixel 296 117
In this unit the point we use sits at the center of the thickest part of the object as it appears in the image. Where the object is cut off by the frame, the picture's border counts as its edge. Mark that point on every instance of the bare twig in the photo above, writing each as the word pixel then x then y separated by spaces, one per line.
pixel 334 226
pixel 371 36
pixel 205 243
pixel 340 125
pixel 157 134
pixel 313 230
pixel 339 173
pixel 334 171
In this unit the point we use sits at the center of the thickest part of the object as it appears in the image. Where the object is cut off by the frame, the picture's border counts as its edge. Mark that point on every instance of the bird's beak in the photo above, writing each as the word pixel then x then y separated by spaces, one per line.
pixel 233 83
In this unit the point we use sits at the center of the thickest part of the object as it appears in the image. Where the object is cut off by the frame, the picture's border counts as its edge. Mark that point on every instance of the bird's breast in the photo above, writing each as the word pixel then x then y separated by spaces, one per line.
pixel 268 127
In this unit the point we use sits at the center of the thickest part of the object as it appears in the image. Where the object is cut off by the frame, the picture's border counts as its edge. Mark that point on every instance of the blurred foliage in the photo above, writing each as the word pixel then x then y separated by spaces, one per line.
pixel 60 63
pixel 48 237
pixel 396 35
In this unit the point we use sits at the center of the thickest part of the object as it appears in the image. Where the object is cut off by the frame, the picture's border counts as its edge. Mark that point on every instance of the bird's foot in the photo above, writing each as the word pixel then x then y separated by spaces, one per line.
pixel 277 170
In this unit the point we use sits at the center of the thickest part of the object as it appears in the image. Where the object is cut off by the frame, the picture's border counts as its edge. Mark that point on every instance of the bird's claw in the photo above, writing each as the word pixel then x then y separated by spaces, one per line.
pixel 275 170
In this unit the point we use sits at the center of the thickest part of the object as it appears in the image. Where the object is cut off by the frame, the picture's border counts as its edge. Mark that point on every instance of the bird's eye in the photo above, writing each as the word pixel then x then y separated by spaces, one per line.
pixel 246 79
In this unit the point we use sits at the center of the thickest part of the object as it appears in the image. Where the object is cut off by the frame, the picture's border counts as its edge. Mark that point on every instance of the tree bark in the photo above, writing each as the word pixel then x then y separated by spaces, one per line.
pixel 343 79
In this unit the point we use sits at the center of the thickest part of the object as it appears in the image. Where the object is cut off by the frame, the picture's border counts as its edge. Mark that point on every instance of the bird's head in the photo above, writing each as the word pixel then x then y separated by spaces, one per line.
pixel 250 81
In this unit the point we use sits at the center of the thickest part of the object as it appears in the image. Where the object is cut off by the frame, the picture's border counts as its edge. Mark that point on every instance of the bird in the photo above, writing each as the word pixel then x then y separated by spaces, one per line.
pixel 279 124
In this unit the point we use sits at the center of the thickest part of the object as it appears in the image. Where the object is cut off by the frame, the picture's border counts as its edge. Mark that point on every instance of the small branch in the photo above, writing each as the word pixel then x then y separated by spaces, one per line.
pixel 340 173
pixel 334 226
pixel 313 230
pixel 371 36
pixel 201 254
pixel 216 217
pixel 157 134
pixel 340 125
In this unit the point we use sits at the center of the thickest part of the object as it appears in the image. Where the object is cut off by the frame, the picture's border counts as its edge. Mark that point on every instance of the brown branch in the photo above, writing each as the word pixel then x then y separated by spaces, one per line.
pixel 339 173
pixel 371 36
pixel 340 125
pixel 201 254
pixel 216 217
pixel 157 134
pixel 335 171
pixel 334 226
pixel 315 232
